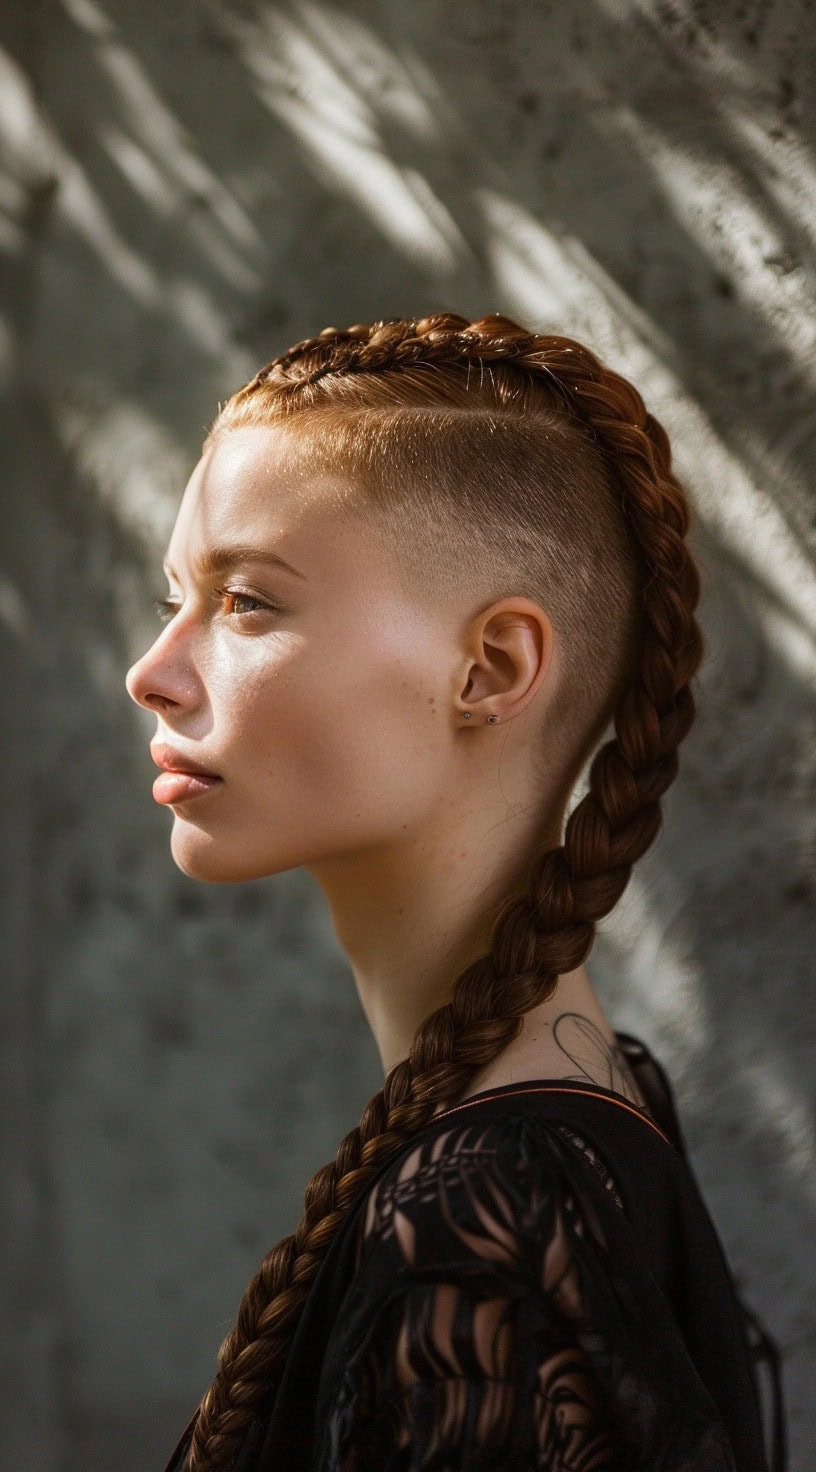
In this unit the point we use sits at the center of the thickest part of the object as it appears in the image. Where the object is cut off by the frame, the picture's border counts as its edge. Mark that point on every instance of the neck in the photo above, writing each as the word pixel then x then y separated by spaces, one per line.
pixel 412 916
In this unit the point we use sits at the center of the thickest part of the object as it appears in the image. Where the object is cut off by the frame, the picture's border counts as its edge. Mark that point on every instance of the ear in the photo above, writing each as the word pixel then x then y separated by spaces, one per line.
pixel 509 653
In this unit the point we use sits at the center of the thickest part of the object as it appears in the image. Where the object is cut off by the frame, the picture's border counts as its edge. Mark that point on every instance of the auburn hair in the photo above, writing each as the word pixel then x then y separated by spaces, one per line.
pixel 518 461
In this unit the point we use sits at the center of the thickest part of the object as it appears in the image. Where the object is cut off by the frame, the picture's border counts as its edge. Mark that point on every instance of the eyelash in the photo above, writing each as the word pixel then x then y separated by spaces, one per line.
pixel 166 607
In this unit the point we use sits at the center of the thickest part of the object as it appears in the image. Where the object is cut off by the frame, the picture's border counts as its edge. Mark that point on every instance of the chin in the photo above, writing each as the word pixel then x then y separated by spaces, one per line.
pixel 201 856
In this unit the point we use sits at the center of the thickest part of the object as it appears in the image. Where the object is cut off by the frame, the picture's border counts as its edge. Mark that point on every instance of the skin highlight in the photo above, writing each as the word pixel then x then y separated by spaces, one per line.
pixel 330 701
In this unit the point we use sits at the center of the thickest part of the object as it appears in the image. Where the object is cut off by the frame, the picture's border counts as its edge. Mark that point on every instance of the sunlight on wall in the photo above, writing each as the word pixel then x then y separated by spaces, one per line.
pixel 12 203
pixel 80 205
pixel 663 986
pixel 35 153
pixel 790 1116
pixel 163 167
pixel 398 82
pixel 39 156
pixel 208 325
pixel 19 119
pixel 710 196
pixel 135 466
pixel 785 166
pixel 664 1000
pixel 186 176
pixel 137 471
pixel 14 615
pixel 145 179
pixel 160 132
pixel 142 174
pixel 544 277
pixel 306 90
pixel 793 644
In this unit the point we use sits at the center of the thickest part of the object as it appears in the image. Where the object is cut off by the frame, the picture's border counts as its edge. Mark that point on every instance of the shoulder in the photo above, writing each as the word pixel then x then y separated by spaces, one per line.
pixel 497 1317
pixel 463 1323
pixel 489 1189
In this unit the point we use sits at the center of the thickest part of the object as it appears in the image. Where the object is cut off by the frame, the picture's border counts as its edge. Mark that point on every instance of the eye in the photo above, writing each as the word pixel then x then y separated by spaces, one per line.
pixel 238 596
pixel 166 608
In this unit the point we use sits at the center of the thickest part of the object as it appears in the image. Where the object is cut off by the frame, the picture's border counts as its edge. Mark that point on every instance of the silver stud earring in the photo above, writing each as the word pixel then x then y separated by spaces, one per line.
pixel 467 715
pixel 492 720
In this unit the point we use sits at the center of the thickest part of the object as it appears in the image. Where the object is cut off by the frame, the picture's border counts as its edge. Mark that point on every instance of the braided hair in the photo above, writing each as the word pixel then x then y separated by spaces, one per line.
pixel 395 398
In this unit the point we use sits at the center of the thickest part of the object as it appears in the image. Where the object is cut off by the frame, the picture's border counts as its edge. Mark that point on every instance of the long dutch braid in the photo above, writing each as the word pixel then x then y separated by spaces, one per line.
pixel 548 930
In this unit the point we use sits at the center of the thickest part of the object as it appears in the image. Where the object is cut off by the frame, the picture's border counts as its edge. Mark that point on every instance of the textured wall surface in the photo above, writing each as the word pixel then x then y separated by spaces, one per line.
pixel 185 190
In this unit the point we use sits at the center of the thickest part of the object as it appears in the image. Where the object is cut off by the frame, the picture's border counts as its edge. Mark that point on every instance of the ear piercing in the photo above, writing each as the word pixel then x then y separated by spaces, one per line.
pixel 467 715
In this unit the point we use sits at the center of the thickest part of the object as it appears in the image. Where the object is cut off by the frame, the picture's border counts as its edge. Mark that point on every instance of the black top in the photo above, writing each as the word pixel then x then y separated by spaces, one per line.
pixel 532 1283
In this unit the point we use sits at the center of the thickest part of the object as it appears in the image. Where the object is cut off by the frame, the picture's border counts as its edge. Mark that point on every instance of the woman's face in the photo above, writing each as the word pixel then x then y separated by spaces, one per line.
pixel 321 698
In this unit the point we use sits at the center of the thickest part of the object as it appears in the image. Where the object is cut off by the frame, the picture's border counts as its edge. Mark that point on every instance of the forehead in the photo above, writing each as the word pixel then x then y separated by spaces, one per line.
pixel 259 475
pixel 258 483
pixel 264 488
pixel 271 488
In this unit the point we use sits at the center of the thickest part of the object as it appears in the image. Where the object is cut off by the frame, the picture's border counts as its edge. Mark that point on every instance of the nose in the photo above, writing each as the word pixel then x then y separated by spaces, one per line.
pixel 163 679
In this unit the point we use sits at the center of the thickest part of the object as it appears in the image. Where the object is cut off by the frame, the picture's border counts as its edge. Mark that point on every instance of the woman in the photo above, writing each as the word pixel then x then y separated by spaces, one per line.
pixel 419 568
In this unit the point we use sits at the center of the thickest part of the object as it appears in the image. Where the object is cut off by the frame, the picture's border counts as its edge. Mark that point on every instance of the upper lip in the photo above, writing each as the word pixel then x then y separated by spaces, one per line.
pixel 176 761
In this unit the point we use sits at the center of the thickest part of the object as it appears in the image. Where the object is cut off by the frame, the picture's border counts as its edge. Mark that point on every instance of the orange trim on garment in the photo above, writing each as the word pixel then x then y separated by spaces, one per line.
pixel 558 1089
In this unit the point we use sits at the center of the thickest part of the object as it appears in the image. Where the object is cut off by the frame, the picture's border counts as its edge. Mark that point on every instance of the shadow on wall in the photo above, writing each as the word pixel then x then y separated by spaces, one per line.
pixel 184 192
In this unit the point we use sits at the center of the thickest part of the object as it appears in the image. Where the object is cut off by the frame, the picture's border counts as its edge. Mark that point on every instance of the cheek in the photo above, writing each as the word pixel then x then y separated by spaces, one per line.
pixel 350 736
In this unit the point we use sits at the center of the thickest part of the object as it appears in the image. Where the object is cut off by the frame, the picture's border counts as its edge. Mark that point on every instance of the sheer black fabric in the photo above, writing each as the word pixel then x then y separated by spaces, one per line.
pixel 533 1282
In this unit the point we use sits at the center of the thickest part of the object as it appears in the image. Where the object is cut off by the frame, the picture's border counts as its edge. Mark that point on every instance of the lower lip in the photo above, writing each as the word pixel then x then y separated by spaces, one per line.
pixel 173 787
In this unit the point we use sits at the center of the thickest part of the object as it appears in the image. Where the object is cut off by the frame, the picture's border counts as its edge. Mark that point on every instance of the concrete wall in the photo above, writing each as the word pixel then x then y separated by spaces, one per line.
pixel 186 189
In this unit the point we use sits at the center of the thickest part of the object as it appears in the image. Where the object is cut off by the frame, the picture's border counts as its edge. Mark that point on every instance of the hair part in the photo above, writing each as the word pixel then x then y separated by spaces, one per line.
pixel 494 459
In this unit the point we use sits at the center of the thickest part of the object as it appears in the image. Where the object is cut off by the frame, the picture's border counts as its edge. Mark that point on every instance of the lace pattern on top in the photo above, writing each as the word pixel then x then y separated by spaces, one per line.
pixel 476 1360
pixel 481 1330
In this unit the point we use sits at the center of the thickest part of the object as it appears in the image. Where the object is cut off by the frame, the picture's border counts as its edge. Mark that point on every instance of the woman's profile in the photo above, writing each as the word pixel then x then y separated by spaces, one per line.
pixel 419 570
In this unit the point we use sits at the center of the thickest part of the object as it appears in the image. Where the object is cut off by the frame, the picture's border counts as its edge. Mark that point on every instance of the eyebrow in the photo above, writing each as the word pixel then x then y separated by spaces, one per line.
pixel 223 559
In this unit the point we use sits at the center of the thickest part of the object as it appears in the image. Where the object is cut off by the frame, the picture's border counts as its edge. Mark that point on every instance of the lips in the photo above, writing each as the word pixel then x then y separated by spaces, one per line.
pixel 176 761
pixel 172 787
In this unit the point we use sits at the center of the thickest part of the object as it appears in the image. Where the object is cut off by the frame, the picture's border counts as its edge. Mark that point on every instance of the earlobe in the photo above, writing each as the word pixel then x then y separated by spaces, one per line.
pixel 467 715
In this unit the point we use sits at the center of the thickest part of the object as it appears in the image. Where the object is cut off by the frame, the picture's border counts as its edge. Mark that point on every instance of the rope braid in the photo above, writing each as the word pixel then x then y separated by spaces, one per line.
pixel 549 929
